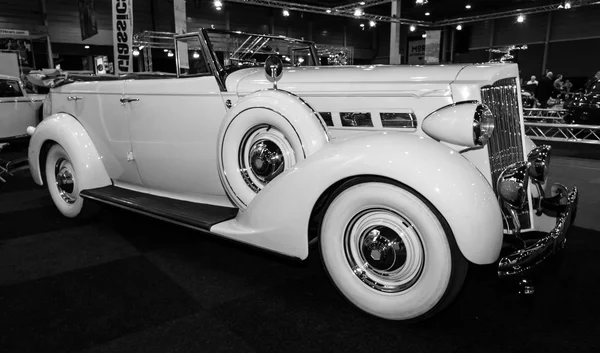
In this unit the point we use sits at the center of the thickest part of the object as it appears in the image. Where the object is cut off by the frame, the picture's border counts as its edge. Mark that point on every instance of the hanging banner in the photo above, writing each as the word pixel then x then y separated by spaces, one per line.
pixel 123 35
pixel 432 47
pixel 13 32
pixel 416 52
pixel 87 19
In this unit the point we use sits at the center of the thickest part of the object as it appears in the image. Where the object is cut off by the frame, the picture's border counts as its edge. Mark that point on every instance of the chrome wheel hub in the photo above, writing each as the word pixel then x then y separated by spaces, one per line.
pixel 264 154
pixel 384 250
pixel 266 160
pixel 65 180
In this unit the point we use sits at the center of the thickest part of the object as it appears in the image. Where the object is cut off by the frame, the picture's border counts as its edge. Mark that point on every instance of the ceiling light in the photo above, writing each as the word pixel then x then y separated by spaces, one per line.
pixel 421 2
pixel 165 50
pixel 87 47
pixel 362 3
pixel 358 12
pixel 468 7
pixel 136 52
pixel 412 28
pixel 170 54
pixel 362 24
pixel 459 27
pixel 567 5
pixel 372 23
pixel 286 13
pixel 218 4
pixel 141 47
pixel 424 35
pixel 328 11
pixel 520 18
pixel 427 14
pixel 196 55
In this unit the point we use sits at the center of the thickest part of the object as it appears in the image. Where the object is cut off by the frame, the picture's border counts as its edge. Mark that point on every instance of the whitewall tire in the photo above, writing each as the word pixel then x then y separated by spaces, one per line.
pixel 61 178
pixel 258 145
pixel 389 252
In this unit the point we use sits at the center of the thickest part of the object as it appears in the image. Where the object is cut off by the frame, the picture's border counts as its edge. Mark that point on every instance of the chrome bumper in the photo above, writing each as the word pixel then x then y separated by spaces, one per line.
pixel 522 261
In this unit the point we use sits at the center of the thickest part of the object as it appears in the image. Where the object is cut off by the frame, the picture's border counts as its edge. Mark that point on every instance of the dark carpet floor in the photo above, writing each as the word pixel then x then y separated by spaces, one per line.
pixel 125 283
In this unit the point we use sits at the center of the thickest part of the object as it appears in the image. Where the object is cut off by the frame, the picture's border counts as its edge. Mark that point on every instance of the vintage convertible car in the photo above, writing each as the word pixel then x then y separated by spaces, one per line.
pixel 402 174
pixel 18 108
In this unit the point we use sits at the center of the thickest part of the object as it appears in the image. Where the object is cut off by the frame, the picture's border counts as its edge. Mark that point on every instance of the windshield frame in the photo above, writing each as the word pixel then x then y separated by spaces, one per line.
pixel 220 72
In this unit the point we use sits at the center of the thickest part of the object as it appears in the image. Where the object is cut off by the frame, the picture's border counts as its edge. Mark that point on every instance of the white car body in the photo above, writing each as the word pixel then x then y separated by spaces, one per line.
pixel 18 108
pixel 167 137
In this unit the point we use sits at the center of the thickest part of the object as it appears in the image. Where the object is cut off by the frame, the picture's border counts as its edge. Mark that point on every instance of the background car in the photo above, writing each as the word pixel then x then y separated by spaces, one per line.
pixel 18 108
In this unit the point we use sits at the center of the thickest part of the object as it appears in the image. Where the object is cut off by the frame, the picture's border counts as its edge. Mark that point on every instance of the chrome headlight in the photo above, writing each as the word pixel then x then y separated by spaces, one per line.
pixel 483 125
pixel 47 107
pixel 467 123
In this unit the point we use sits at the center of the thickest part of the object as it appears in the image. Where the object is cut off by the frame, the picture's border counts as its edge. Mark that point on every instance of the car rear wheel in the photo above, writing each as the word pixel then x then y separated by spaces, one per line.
pixel 389 252
pixel 61 178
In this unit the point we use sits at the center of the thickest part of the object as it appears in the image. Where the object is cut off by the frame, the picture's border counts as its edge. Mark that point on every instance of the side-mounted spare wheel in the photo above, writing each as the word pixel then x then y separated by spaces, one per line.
pixel 264 135
pixel 389 251
pixel 61 178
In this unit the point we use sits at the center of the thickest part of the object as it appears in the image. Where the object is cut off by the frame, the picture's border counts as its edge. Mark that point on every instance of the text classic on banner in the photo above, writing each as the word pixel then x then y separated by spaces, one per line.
pixel 123 35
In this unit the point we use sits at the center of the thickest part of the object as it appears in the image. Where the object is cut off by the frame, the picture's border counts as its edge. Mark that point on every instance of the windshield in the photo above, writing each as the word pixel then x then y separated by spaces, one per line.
pixel 236 50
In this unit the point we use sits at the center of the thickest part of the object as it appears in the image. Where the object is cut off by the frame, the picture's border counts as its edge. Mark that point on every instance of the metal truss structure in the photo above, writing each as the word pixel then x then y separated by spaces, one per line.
pixel 348 11
pixel 589 134
pixel 343 11
pixel 511 13
pixel 545 115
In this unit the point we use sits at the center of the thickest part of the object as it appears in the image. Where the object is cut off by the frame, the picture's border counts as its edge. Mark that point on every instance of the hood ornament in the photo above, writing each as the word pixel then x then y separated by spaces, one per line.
pixel 274 69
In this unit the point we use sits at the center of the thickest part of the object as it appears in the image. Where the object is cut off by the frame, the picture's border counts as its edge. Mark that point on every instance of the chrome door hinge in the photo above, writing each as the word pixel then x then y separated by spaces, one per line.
pixel 130 156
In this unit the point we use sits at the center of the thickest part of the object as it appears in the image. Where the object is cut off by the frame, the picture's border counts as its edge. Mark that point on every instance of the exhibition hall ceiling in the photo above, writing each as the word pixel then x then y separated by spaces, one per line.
pixel 437 10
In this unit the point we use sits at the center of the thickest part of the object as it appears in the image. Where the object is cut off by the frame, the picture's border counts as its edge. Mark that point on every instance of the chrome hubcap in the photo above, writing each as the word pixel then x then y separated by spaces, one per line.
pixel 384 250
pixel 266 160
pixel 65 180
pixel 264 154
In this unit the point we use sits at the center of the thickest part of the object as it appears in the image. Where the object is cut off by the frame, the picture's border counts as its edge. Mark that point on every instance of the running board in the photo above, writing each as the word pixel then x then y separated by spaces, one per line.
pixel 189 214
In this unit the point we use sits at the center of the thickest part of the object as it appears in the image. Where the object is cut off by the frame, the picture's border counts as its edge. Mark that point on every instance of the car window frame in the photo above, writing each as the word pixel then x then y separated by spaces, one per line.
pixel 20 87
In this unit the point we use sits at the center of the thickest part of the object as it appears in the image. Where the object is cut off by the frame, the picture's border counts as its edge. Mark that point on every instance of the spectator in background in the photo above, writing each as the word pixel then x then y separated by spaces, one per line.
pixel 592 80
pixel 558 83
pixel 533 81
pixel 544 89
pixel 568 86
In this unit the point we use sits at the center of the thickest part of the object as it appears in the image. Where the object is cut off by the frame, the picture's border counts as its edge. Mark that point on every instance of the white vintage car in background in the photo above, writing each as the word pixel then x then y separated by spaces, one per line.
pixel 402 174
pixel 18 108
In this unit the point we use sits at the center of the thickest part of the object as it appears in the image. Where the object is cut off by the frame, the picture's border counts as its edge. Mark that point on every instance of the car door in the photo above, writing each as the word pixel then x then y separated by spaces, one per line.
pixel 17 111
pixel 105 118
pixel 174 124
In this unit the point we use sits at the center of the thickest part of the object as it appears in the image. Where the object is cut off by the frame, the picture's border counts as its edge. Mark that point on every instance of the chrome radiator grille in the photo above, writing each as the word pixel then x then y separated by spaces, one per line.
pixel 506 143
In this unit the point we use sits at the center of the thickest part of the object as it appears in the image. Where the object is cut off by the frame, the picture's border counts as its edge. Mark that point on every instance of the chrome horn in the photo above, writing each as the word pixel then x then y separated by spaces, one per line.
pixel 539 162
pixel 512 185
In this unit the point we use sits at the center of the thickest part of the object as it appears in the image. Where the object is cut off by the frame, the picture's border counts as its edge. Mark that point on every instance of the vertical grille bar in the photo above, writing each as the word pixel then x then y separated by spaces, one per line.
pixel 506 143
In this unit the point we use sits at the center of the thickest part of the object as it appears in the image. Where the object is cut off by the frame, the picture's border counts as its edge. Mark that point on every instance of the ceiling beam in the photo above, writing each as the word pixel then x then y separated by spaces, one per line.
pixel 348 11
pixel 511 13
pixel 357 4
pixel 323 11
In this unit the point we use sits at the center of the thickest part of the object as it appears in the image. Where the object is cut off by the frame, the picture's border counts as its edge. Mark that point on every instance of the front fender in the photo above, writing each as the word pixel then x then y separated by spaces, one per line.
pixel 280 213
pixel 65 130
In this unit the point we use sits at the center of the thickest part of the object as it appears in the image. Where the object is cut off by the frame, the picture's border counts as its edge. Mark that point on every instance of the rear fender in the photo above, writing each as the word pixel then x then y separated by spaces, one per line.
pixel 279 215
pixel 65 130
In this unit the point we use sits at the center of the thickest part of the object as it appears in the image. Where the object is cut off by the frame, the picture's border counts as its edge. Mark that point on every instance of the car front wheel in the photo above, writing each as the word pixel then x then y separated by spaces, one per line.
pixel 61 178
pixel 389 252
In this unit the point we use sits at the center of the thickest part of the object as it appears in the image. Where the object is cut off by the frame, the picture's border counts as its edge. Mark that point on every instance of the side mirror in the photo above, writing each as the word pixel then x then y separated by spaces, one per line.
pixel 274 69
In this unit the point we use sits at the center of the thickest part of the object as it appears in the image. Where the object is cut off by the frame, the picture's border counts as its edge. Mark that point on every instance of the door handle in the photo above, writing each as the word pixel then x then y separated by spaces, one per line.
pixel 73 98
pixel 128 100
